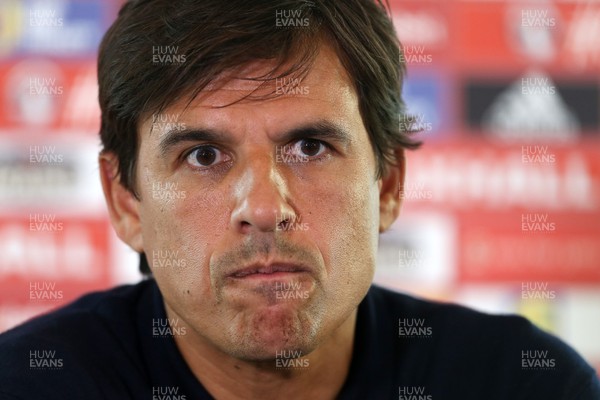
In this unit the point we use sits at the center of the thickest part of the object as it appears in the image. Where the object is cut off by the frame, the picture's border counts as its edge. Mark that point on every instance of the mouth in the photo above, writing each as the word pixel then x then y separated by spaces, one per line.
pixel 268 271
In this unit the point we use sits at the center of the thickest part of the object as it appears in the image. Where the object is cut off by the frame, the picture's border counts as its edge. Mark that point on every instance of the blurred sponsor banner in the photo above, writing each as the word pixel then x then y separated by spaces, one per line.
pixel 48 259
pixel 476 175
pixel 418 253
pixel 561 35
pixel 426 95
pixel 42 94
pixel 522 211
pixel 58 28
pixel 555 247
pixel 532 106
pixel 424 31
pixel 57 173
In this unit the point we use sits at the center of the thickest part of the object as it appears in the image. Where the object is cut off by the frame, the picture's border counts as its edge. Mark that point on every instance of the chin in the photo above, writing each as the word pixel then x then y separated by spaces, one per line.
pixel 265 333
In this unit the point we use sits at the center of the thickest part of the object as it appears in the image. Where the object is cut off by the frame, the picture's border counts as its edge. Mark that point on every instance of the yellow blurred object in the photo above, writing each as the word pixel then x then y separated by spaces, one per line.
pixel 539 311
pixel 11 25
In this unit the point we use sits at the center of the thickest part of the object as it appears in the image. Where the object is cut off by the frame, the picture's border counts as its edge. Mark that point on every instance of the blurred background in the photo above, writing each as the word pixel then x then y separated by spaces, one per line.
pixel 501 206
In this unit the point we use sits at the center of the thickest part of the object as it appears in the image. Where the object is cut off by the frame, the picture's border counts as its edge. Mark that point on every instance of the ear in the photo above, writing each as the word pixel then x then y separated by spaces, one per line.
pixel 123 207
pixel 390 188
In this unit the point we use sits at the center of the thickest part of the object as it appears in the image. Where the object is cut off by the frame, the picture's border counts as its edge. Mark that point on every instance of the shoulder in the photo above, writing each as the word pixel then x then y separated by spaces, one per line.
pixel 486 350
pixel 83 315
pixel 455 320
pixel 64 351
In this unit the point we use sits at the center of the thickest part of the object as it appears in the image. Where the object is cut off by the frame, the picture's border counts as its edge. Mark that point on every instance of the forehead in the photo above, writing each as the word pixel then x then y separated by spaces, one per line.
pixel 259 83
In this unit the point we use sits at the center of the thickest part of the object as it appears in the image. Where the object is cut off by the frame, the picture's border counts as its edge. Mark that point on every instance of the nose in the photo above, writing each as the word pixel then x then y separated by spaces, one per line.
pixel 262 196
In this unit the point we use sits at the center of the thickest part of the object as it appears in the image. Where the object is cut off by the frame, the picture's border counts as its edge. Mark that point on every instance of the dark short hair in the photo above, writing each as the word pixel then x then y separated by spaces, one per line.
pixel 218 35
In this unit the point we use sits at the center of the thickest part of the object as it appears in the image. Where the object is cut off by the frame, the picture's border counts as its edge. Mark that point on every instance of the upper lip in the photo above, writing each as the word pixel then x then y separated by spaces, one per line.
pixel 269 269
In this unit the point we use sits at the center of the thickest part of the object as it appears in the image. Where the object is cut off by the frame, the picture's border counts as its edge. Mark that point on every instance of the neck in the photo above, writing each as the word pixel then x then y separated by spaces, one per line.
pixel 320 374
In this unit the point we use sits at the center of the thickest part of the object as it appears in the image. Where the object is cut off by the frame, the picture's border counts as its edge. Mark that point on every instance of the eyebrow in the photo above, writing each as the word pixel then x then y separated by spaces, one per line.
pixel 318 130
pixel 176 136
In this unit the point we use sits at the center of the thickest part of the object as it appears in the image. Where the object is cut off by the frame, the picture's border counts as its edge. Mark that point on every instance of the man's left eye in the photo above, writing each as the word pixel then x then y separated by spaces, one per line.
pixel 205 156
pixel 308 147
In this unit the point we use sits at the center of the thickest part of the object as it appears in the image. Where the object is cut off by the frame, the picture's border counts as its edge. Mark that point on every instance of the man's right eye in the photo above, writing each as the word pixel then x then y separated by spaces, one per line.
pixel 205 156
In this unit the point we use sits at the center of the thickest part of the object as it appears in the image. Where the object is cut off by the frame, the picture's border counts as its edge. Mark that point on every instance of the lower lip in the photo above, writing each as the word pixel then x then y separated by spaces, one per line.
pixel 271 276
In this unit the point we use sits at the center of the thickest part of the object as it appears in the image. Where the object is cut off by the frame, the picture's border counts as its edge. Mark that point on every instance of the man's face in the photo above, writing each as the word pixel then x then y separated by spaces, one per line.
pixel 214 195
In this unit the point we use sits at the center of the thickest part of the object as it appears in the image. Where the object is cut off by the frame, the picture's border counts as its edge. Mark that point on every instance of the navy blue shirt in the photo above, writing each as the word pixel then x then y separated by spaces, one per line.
pixel 105 346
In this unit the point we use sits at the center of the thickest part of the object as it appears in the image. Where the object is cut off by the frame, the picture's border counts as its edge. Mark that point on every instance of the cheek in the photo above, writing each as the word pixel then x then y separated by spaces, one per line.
pixel 184 229
pixel 203 217
pixel 346 228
